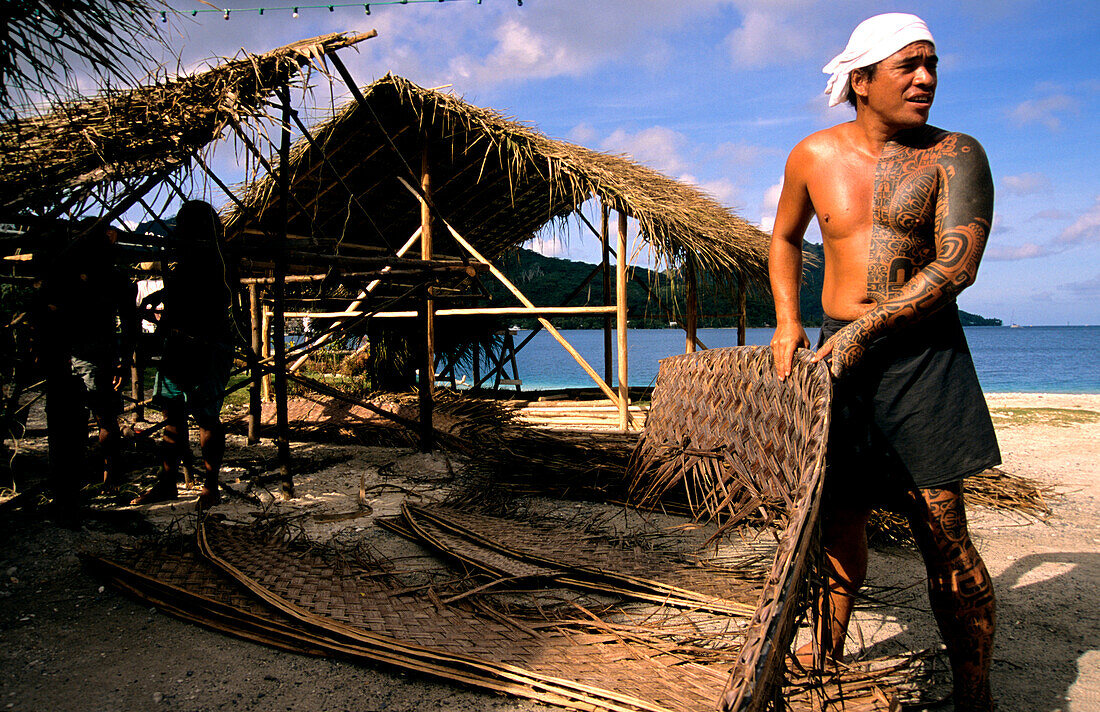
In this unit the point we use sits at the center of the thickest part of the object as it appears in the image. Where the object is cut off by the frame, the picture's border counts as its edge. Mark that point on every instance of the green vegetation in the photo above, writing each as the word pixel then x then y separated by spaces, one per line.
pixel 549 280
pixel 1062 417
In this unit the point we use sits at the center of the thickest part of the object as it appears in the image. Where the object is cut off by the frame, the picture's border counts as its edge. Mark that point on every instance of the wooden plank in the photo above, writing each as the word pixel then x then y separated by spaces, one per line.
pixel 465 311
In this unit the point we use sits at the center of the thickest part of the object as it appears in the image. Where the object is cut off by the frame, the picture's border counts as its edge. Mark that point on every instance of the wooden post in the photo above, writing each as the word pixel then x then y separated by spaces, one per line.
pixel 477 365
pixel 282 421
pixel 427 378
pixel 426 254
pixel 427 311
pixel 691 307
pixel 741 308
pixel 265 352
pixel 608 373
pixel 137 379
pixel 620 323
pixel 256 373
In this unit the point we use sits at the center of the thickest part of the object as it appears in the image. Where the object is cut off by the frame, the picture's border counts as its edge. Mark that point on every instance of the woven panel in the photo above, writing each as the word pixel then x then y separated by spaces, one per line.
pixel 576 557
pixel 584 669
pixel 744 447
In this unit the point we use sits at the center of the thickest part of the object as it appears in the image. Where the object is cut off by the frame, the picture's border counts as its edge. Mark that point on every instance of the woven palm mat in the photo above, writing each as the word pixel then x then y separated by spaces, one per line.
pixel 575 557
pixel 571 667
pixel 271 591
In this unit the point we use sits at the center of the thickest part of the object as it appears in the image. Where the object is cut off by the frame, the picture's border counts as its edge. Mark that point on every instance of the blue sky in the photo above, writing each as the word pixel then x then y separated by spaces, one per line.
pixel 716 92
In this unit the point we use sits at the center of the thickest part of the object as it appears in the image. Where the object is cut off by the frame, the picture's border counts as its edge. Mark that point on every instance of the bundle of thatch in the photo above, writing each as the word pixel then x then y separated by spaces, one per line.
pixel 128 134
pixel 495 180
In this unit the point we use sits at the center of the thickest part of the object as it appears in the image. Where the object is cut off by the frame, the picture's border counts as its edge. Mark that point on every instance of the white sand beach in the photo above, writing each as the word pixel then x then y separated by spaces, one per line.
pixel 67 643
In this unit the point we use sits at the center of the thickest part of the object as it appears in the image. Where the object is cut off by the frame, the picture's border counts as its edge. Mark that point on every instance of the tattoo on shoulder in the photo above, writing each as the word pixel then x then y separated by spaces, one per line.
pixel 911 203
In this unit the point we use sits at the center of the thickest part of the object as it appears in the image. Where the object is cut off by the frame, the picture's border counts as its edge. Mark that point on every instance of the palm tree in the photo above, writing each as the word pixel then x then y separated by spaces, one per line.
pixel 44 42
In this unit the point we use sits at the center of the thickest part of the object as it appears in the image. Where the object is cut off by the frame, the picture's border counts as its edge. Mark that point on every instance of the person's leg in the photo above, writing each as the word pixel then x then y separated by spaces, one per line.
pixel 212 443
pixel 960 590
pixel 110 438
pixel 172 445
pixel 844 536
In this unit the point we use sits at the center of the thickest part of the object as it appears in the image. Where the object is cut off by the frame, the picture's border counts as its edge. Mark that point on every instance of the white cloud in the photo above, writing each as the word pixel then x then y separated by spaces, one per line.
pixel 549 246
pixel 723 190
pixel 1026 183
pixel 1089 288
pixel 1046 111
pixel 1084 230
pixel 770 205
pixel 658 147
pixel 583 134
pixel 1011 253
pixel 766 39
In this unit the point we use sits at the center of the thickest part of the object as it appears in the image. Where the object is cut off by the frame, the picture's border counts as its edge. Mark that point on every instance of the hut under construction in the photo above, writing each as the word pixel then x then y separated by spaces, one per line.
pixel 402 198
pixel 402 169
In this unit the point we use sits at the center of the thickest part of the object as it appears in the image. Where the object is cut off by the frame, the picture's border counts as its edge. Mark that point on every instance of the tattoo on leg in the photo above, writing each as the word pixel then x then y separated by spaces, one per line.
pixel 960 591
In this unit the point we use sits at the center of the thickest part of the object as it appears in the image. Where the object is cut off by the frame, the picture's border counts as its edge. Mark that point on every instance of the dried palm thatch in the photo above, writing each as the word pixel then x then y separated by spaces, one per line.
pixel 39 41
pixel 575 557
pixel 123 135
pixel 744 446
pixel 495 180
pixel 264 585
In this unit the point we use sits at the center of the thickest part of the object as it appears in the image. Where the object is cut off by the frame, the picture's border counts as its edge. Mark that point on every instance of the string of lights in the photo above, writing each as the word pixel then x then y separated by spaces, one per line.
pixel 227 12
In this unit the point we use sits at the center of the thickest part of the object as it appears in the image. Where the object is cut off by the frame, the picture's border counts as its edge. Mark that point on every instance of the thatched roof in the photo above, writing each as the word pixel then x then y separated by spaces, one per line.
pixel 495 180
pixel 121 135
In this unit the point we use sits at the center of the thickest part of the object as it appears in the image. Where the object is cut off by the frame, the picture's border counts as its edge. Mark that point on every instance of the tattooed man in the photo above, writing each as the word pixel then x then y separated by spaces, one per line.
pixel 904 210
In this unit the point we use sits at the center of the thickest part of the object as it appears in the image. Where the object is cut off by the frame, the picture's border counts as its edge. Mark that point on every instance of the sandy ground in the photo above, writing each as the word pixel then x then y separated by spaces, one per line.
pixel 66 643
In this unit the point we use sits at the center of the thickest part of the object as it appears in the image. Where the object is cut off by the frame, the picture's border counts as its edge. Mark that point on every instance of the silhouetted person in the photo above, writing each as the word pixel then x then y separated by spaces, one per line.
pixel 87 334
pixel 198 353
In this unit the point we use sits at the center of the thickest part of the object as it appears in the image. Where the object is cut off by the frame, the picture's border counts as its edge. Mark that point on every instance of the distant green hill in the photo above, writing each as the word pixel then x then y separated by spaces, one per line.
pixel 549 280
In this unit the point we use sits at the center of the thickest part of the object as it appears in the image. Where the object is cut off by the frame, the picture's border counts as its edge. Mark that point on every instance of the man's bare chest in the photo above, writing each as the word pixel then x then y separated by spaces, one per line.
pixel 906 213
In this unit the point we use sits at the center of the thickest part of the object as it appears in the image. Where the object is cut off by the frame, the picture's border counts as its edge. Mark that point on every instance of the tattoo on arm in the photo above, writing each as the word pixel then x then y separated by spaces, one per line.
pixel 933 205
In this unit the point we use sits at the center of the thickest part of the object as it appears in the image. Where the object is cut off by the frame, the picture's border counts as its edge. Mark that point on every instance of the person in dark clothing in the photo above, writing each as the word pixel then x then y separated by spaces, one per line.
pixel 88 325
pixel 197 328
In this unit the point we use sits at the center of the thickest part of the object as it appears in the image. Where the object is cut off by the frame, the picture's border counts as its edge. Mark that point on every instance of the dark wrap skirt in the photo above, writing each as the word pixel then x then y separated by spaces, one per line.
pixel 911 414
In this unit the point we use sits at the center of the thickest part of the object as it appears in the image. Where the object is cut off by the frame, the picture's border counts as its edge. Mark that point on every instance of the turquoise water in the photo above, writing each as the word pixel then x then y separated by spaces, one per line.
pixel 1038 359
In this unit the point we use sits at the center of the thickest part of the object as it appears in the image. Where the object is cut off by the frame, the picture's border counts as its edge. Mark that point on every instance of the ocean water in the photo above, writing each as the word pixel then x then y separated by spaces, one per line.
pixel 1036 359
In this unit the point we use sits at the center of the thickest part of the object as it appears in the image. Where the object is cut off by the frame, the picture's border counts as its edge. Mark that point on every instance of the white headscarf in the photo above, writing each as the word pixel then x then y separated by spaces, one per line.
pixel 875 39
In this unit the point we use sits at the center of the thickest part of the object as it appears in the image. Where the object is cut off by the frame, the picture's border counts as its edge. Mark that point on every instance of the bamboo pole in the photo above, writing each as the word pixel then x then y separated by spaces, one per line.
pixel 620 323
pixel 464 311
pixel 691 306
pixel 605 245
pixel 525 301
pixel 427 307
pixel 282 421
pixel 426 254
pixel 137 379
pixel 427 378
pixel 255 407
pixel 265 352
pixel 741 309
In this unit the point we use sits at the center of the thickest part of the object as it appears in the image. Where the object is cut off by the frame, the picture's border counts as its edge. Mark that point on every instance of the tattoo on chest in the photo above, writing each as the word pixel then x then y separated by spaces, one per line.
pixel 932 206
pixel 908 211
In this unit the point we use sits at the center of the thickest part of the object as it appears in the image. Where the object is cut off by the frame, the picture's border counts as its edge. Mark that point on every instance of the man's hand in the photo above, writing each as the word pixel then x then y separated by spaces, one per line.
pixel 786 340
pixel 845 349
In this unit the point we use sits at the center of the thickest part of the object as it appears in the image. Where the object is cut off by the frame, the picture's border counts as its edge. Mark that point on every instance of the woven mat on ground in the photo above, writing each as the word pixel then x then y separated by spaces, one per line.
pixel 574 557
pixel 567 666
pixel 268 591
